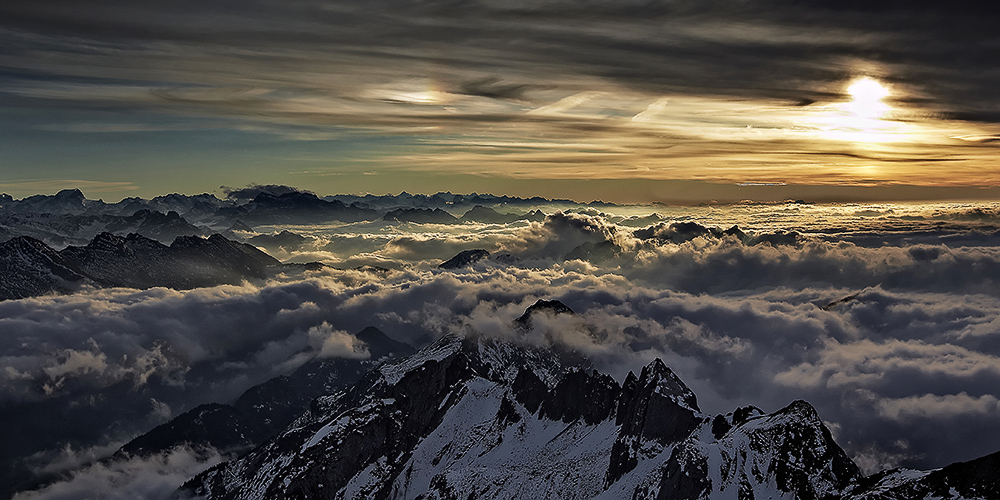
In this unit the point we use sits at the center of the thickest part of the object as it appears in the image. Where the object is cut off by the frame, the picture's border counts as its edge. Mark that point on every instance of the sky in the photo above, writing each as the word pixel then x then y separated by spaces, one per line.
pixel 628 101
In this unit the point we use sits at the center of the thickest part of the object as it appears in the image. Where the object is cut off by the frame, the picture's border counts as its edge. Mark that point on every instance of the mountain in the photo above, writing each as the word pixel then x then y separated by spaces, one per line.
pixel 973 479
pixel 465 258
pixel 189 262
pixel 420 215
pixel 285 240
pixel 477 418
pixel 487 215
pixel 295 207
pixel 265 409
pixel 156 225
pixel 67 201
pixel 30 267
pixel 60 230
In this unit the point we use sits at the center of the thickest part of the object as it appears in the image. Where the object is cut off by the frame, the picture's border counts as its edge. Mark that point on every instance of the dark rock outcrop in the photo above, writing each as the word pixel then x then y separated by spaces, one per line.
pixel 465 258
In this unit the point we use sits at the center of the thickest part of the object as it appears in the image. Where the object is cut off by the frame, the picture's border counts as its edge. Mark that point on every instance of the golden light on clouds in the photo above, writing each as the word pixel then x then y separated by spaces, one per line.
pixel 865 118
pixel 616 133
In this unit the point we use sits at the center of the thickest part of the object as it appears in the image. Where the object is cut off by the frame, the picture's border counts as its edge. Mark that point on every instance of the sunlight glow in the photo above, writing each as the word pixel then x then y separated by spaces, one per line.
pixel 863 119
pixel 867 97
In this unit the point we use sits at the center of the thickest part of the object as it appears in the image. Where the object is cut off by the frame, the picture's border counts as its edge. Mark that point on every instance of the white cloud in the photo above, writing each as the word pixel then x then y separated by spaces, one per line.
pixel 129 479
pixel 936 407
pixel 889 342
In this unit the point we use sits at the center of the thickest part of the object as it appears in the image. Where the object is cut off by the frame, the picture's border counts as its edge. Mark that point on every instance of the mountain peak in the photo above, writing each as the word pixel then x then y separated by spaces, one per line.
pixel 465 258
pixel 552 307
pixel 71 194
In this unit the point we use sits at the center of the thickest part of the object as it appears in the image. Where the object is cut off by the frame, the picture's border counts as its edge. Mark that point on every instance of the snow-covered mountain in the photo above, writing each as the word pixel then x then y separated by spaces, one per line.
pixel 477 418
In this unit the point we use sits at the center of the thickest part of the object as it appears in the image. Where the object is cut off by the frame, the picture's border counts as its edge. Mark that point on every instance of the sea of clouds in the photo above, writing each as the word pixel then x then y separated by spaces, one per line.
pixel 893 333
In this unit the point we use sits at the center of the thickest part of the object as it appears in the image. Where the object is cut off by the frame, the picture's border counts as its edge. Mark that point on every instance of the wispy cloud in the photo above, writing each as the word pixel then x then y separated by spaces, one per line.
pixel 50 185
pixel 664 91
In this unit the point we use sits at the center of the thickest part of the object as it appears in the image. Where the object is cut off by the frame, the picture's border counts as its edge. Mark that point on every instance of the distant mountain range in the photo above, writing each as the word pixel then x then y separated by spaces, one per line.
pixel 69 218
pixel 288 206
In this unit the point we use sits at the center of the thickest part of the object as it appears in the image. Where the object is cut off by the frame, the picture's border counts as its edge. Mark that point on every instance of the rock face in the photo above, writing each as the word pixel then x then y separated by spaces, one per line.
pixel 541 306
pixel 475 418
pixel 30 267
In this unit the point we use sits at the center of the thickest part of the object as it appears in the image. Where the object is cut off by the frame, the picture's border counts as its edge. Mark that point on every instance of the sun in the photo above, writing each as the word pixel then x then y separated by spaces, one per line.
pixel 865 118
pixel 866 99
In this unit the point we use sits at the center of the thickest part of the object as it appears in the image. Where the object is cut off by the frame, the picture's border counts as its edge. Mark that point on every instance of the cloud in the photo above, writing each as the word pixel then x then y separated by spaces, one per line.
pixel 50 185
pixel 890 342
pixel 933 406
pixel 157 476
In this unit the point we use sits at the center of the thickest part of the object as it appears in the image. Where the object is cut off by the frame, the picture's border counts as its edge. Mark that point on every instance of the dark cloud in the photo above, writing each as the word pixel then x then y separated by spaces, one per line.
pixel 792 51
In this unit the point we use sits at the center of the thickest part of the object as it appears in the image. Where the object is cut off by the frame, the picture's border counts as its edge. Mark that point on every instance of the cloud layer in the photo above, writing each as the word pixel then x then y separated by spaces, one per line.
pixel 892 335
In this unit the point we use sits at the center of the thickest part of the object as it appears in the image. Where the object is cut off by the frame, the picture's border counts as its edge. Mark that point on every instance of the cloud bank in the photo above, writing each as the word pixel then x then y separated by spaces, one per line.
pixel 895 343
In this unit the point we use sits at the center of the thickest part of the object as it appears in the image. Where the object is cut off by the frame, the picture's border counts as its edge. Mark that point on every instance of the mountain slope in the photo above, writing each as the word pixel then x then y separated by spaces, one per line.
pixel 29 267
pixel 265 409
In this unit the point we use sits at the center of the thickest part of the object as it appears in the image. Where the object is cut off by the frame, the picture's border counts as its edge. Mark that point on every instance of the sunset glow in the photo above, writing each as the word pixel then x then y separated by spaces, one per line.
pixel 867 95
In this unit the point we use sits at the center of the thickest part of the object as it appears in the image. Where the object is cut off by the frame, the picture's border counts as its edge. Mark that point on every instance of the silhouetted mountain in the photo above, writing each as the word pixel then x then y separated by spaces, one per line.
pixel 296 207
pixel 31 267
pixel 420 215
pixel 285 240
pixel 67 201
pixel 465 258
pixel 155 225
pixel 552 307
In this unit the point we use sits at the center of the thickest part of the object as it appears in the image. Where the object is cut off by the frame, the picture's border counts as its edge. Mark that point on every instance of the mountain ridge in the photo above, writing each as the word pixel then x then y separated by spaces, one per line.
pixel 31 268
pixel 450 422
